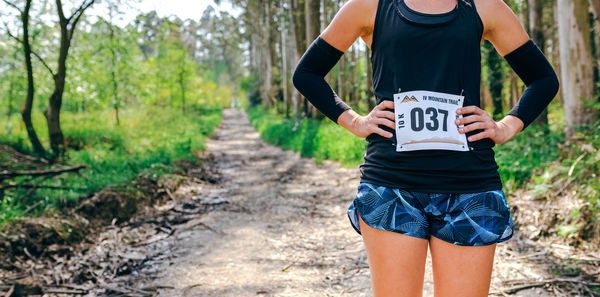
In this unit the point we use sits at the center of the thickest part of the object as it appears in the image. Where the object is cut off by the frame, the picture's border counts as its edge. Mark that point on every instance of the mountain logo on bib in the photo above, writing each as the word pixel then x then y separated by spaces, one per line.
pixel 409 99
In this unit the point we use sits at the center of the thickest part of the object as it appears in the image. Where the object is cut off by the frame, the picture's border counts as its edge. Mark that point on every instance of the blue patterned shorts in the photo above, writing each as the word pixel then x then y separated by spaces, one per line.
pixel 472 219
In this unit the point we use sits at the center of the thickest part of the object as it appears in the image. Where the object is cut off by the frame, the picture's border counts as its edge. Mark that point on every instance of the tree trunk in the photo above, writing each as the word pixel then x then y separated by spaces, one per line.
pixel 555 54
pixel 182 85
pixel 595 8
pixel 369 92
pixel 11 95
pixel 313 27
pixel 536 30
pixel 273 53
pixel 576 62
pixel 67 30
pixel 495 78
pixel 596 39
pixel 38 148
pixel 298 21
pixel 313 20
pixel 267 64
pixel 340 78
pixel 357 76
pixel 284 70
pixel 515 93
pixel 113 70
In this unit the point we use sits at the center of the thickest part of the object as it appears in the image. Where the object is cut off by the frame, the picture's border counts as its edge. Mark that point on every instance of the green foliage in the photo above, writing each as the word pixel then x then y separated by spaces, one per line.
pixel 148 138
pixel 529 150
pixel 312 138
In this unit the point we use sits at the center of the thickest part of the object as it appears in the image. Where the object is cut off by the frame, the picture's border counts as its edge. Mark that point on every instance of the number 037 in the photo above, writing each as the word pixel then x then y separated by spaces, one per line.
pixel 418 123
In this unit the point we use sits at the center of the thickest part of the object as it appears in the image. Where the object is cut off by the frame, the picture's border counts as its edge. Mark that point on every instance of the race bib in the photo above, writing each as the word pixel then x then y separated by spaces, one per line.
pixel 425 121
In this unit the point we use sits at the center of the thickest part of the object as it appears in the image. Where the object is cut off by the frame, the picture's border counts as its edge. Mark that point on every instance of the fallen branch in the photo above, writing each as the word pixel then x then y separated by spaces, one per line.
pixel 10 291
pixel 64 291
pixel 542 283
pixel 26 186
pixel 14 153
pixel 11 174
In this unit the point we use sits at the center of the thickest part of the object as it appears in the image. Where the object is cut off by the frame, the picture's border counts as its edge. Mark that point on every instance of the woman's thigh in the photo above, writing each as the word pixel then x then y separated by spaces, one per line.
pixel 463 271
pixel 397 262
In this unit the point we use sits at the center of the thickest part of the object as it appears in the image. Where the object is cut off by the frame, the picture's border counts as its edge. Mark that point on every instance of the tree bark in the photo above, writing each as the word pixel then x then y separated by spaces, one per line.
pixel 595 8
pixel 596 39
pixel 284 70
pixel 313 20
pixel 313 27
pixel 515 93
pixel 495 78
pixel 536 30
pixel 67 29
pixel 341 83
pixel 113 70
pixel 357 76
pixel 298 21
pixel 370 96
pixel 182 83
pixel 576 62
pixel 37 146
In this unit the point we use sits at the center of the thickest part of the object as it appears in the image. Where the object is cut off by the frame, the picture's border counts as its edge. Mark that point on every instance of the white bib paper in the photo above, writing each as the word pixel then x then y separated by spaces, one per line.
pixel 425 121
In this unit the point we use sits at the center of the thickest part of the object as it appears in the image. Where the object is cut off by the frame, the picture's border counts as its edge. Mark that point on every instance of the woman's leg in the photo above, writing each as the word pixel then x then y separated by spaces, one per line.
pixel 397 262
pixel 464 271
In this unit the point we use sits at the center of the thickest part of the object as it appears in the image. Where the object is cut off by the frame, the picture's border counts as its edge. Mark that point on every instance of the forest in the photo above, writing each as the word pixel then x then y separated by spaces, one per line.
pixel 91 105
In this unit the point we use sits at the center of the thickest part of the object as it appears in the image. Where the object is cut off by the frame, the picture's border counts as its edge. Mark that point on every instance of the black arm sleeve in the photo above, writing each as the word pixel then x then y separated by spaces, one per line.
pixel 309 78
pixel 535 71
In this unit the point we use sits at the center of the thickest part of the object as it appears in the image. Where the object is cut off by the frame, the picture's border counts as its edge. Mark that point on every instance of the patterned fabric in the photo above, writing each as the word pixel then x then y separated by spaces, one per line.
pixel 472 219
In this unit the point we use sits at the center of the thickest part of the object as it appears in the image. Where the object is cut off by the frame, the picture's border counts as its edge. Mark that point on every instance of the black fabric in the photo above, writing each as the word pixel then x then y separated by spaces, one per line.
pixel 424 19
pixel 309 78
pixel 535 71
pixel 444 58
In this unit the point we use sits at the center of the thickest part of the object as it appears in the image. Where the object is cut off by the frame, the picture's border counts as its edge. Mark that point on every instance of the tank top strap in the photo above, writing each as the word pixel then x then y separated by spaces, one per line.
pixel 471 10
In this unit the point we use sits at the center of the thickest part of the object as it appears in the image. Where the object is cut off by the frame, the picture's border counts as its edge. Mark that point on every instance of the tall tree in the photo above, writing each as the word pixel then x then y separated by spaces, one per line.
pixel 38 148
pixel 313 29
pixel 67 31
pixel 298 24
pixel 536 29
pixel 576 62
pixel 596 38
pixel 113 47
pixel 370 96
pixel 495 77
pixel 595 7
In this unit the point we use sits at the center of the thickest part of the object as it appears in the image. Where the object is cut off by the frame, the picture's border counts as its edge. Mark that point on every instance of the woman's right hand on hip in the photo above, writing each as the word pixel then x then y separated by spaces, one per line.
pixel 363 126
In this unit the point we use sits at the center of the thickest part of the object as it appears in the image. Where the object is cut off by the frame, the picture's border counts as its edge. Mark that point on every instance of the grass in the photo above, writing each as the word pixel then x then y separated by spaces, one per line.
pixel 319 139
pixel 151 139
pixel 529 151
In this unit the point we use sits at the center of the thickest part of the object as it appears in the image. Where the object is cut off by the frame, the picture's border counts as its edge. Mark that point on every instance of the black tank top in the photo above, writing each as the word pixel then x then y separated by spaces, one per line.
pixel 434 52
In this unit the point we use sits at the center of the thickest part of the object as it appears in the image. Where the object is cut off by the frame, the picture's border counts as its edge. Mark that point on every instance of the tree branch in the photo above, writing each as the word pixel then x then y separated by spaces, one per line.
pixel 27 186
pixel 43 62
pixel 77 13
pixel 77 16
pixel 61 13
pixel 10 34
pixel 13 6
pixel 19 40
pixel 10 174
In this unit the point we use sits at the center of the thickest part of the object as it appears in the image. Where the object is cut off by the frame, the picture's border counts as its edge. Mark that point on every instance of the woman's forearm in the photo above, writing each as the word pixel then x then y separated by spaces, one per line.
pixel 309 78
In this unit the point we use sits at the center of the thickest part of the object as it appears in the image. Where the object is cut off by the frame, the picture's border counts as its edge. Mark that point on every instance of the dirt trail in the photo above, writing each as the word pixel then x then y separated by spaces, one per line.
pixel 285 231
